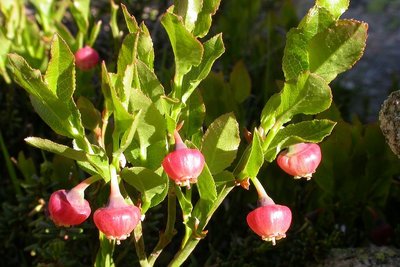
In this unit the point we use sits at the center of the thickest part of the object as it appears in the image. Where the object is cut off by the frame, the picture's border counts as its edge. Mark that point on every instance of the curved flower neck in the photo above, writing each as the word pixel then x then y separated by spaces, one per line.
pixel 76 194
pixel 116 199
pixel 179 144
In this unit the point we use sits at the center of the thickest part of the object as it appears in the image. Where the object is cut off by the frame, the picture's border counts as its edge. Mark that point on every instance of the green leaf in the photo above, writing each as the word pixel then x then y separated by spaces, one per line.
pixel 206 186
pixel 213 49
pixel 60 73
pixel 150 157
pixel 94 33
pixel 152 125
pixel 153 187
pixel 6 46
pixel 44 10
pixel 203 22
pixel 80 10
pixel 98 162
pixel 240 82
pixel 26 167
pixel 123 119
pixel 303 132
pixel 66 35
pixel 189 11
pixel 106 85
pixel 295 57
pixel 317 20
pixel 217 96
pixel 252 159
pixel 116 33
pixel 149 84
pixel 220 143
pixel 193 115
pixel 55 148
pixel 62 114
pixel 127 54
pixel 130 20
pixel 223 179
pixel 135 73
pixel 297 50
pixel 126 121
pixel 129 133
pixel 155 154
pixel 104 256
pixel 91 117
pixel 336 8
pixel 185 203
pixel 337 49
pixel 187 49
pixel 208 195
pixel 144 45
pixel 310 95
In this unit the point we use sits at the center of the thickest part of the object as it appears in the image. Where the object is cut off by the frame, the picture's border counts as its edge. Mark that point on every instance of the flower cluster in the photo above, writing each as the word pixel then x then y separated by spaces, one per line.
pixel 271 221
pixel 184 165
pixel 118 218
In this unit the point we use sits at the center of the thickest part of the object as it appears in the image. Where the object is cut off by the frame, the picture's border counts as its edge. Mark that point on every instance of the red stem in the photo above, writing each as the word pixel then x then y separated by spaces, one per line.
pixel 179 144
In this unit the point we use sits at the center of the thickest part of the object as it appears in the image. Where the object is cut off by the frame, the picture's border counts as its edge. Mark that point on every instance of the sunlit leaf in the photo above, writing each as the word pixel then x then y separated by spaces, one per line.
pixel 337 49
pixel 153 187
pixel 303 132
pixel 220 143
pixel 187 49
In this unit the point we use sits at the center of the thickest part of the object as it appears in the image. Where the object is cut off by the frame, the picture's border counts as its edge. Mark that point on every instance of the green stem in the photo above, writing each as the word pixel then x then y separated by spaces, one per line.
pixel 188 230
pixel 87 182
pixel 271 134
pixel 182 255
pixel 106 250
pixel 10 167
pixel 139 246
pixel 263 197
pixel 105 117
pixel 84 143
pixel 166 237
pixel 177 93
pixel 260 189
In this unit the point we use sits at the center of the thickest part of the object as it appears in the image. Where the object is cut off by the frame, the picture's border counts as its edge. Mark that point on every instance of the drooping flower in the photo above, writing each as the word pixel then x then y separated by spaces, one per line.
pixel 118 219
pixel 183 165
pixel 86 58
pixel 68 208
pixel 270 222
pixel 300 160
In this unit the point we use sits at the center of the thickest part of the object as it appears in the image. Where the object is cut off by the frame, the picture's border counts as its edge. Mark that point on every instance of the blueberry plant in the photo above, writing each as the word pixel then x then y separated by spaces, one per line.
pixel 28 29
pixel 148 143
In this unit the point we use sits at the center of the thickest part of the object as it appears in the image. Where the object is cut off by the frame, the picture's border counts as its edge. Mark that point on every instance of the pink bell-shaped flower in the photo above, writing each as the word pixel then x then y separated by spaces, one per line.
pixel 69 208
pixel 86 58
pixel 300 160
pixel 183 165
pixel 118 219
pixel 270 222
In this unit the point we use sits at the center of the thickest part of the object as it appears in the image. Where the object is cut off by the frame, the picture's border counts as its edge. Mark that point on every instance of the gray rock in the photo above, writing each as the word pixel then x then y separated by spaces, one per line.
pixel 360 257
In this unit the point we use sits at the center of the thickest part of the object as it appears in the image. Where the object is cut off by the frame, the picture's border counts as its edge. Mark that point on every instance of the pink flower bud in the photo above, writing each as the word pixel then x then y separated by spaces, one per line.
pixel 183 165
pixel 300 160
pixel 86 58
pixel 117 220
pixel 270 222
pixel 68 208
